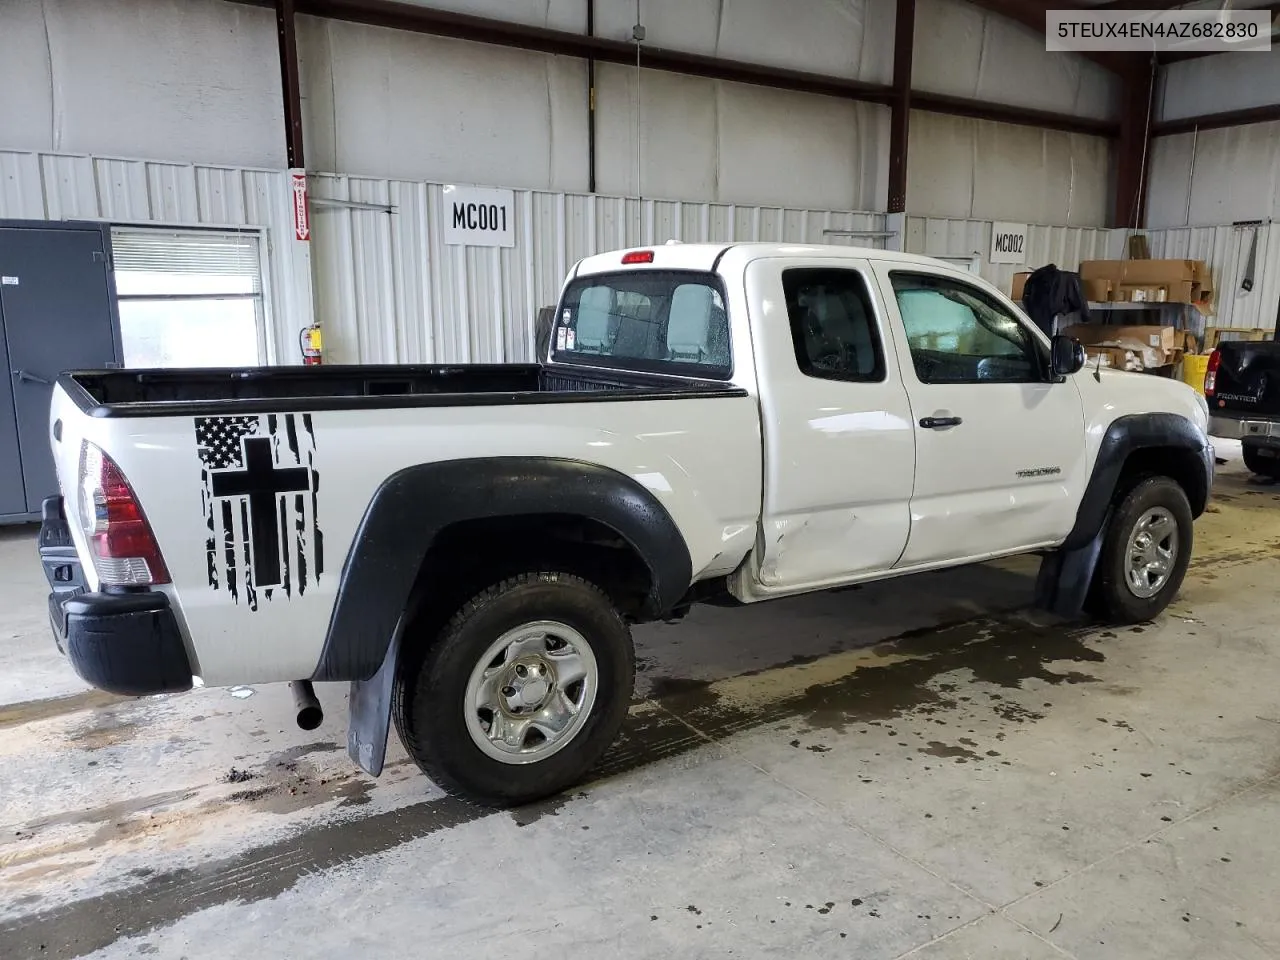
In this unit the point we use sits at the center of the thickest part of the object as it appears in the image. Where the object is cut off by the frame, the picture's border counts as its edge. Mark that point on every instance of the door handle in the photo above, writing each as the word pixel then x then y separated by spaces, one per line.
pixel 938 423
pixel 24 377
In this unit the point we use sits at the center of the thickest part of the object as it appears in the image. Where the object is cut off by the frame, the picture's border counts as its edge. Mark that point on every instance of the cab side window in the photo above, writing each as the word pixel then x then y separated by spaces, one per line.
pixel 958 334
pixel 832 324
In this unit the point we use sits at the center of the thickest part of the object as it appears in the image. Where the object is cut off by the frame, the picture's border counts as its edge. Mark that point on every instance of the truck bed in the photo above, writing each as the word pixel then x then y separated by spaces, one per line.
pixel 154 393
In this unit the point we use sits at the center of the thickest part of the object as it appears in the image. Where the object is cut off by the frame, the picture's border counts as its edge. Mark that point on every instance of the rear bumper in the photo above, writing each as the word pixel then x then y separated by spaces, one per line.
pixel 1253 430
pixel 127 642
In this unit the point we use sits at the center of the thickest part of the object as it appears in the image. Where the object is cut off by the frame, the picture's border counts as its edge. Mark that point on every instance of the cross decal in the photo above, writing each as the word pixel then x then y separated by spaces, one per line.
pixel 262 482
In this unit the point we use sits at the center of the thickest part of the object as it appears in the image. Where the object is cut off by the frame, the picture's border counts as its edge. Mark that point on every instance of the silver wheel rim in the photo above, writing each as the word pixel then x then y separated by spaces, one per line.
pixel 531 692
pixel 1152 551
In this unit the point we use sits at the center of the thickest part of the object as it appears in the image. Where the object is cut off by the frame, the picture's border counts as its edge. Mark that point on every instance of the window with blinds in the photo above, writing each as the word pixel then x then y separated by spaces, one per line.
pixel 189 299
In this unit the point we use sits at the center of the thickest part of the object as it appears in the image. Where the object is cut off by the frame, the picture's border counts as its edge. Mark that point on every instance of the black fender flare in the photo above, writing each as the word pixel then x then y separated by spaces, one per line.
pixel 411 507
pixel 1126 435
pixel 1067 573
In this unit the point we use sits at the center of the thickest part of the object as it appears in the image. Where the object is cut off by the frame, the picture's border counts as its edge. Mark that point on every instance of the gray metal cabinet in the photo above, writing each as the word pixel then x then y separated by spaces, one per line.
pixel 57 312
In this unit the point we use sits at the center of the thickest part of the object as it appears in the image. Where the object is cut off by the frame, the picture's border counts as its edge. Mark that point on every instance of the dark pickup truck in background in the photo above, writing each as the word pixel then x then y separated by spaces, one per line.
pixel 1242 385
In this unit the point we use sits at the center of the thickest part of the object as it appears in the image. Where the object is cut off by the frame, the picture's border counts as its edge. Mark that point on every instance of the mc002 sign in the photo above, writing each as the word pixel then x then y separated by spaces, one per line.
pixel 1008 243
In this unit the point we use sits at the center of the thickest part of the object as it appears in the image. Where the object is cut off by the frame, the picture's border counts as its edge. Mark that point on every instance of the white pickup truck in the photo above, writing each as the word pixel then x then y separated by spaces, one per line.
pixel 467 545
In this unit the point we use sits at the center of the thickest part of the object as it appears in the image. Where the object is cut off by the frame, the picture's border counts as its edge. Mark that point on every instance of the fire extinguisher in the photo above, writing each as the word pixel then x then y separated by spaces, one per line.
pixel 312 345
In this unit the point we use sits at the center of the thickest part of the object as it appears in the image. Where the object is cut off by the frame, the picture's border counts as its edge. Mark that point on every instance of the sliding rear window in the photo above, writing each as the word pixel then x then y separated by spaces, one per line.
pixel 652 321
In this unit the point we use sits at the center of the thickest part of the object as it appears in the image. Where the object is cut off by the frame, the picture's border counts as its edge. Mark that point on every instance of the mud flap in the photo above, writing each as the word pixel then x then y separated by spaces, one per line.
pixel 370 720
pixel 1062 586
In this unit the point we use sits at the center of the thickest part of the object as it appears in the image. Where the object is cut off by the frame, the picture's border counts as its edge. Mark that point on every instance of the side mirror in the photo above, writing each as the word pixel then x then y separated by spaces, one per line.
pixel 1066 356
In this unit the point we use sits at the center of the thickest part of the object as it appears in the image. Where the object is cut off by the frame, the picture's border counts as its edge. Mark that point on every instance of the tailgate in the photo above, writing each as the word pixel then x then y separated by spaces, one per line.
pixel 1248 379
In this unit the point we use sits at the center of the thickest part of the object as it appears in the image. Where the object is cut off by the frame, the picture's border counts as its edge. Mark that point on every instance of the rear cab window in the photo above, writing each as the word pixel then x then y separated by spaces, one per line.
pixel 650 321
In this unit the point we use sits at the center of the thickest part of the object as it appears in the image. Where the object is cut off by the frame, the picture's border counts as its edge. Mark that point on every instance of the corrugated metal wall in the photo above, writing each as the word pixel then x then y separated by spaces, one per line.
pixel 1064 246
pixel 48 186
pixel 1227 251
pixel 389 290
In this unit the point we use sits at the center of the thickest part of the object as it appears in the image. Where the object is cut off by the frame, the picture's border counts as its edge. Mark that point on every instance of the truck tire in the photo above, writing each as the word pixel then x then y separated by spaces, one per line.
pixel 522 691
pixel 1264 461
pixel 1145 553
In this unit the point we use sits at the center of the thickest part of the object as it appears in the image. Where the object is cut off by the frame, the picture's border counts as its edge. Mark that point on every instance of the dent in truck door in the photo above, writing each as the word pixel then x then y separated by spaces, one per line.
pixel 999 448
pixel 839 448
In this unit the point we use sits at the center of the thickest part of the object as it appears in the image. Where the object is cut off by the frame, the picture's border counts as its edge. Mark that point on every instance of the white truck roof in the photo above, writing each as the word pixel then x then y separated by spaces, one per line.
pixel 703 256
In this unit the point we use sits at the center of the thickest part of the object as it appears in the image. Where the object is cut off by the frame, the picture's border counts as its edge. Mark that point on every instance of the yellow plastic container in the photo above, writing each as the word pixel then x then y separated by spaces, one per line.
pixel 1194 366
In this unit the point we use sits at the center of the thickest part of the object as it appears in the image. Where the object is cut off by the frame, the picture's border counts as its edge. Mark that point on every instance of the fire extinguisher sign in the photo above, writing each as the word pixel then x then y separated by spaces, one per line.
pixel 301 218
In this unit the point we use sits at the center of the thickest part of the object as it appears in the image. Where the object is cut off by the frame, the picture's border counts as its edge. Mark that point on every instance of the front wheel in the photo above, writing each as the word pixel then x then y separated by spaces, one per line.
pixel 521 693
pixel 1145 552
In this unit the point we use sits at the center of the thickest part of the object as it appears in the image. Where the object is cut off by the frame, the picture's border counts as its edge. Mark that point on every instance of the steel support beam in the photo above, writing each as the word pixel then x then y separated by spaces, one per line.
pixel 1216 121
pixel 904 32
pixel 289 83
pixel 591 102
pixel 1002 113
pixel 1133 148
pixel 442 23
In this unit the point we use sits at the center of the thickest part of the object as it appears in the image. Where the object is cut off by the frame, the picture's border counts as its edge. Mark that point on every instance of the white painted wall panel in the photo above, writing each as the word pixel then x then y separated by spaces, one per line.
pixel 26 120
pixel 958 167
pixel 1216 176
pixel 47 186
pixel 1228 81
pixel 389 290
pixel 847 38
pixel 710 140
pixel 1061 245
pixel 394 104
pixel 965 51
pixel 178 80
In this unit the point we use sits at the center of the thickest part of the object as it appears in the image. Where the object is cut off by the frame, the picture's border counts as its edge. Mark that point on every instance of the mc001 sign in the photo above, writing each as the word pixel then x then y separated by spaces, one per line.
pixel 479 217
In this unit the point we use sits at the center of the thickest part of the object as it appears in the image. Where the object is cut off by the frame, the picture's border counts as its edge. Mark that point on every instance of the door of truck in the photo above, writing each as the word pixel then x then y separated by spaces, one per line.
pixel 999 447
pixel 839 444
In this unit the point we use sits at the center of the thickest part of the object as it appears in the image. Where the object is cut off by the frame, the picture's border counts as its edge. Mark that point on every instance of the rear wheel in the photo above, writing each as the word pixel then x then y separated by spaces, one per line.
pixel 522 691
pixel 1262 460
pixel 1145 552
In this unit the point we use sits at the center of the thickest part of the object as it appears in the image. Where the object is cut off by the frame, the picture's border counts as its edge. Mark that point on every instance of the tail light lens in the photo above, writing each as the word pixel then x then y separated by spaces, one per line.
pixel 1211 373
pixel 122 546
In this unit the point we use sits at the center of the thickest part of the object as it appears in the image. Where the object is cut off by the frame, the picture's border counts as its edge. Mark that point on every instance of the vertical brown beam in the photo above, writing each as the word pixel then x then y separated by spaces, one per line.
pixel 591 102
pixel 289 84
pixel 900 117
pixel 1133 148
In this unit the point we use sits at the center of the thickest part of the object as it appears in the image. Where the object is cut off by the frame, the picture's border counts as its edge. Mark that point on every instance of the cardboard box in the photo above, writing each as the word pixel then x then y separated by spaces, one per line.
pixel 1019 282
pixel 1167 339
pixel 1097 289
pixel 1158 272
pixel 1117 358
pixel 1157 337
pixel 1183 291
pixel 1155 281
pixel 1152 346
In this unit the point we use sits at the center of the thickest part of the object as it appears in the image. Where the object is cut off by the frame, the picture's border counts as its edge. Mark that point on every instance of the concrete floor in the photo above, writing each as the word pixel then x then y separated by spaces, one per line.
pixel 912 768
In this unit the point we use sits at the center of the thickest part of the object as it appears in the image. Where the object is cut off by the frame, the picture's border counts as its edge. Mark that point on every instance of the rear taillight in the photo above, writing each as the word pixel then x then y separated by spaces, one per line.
pixel 638 256
pixel 1211 373
pixel 121 544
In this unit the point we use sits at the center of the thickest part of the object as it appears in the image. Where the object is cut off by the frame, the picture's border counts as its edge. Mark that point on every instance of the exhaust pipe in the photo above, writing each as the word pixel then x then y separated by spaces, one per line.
pixel 304 700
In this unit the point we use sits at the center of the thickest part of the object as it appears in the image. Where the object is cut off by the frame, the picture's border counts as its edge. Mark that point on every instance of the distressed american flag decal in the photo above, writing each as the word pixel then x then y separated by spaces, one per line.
pixel 260 496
